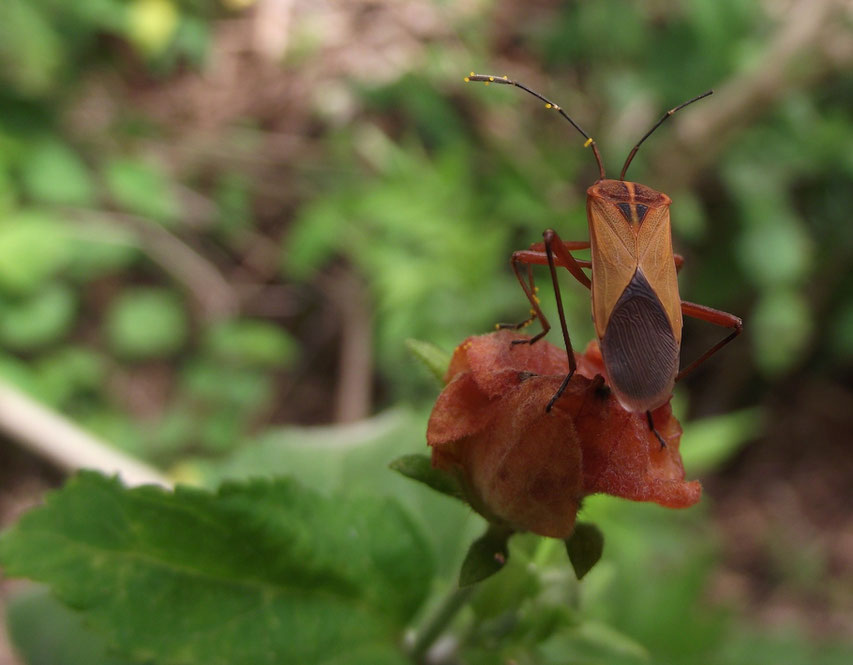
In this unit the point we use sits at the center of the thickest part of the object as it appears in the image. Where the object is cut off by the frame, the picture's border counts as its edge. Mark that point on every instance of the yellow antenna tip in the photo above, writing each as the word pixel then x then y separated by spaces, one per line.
pixel 506 78
pixel 472 74
pixel 548 106
pixel 588 142
pixel 491 78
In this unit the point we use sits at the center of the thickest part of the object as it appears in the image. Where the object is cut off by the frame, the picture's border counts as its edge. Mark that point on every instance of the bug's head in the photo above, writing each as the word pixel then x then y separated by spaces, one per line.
pixel 618 192
pixel 631 199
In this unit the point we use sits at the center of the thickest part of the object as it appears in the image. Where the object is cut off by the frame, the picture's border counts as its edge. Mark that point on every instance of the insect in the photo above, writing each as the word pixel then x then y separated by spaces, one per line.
pixel 636 307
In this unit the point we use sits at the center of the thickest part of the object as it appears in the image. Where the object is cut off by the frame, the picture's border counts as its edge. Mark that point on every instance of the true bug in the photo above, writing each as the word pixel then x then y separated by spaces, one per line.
pixel 636 307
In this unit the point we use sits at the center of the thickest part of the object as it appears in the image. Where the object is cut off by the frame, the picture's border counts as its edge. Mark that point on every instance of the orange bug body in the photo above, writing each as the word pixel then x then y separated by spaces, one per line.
pixel 635 303
pixel 636 306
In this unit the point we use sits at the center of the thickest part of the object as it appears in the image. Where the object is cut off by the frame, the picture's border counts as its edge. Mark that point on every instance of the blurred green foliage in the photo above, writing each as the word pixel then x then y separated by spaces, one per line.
pixel 421 187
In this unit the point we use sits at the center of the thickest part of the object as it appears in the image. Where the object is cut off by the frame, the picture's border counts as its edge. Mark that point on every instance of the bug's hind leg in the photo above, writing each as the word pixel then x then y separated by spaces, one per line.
pixel 654 430
pixel 717 317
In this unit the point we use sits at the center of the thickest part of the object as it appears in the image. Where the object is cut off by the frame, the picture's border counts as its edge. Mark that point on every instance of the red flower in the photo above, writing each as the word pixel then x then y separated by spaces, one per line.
pixel 522 466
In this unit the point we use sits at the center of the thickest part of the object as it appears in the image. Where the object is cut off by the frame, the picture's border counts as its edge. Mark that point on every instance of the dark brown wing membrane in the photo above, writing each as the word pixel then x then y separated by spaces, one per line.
pixel 639 349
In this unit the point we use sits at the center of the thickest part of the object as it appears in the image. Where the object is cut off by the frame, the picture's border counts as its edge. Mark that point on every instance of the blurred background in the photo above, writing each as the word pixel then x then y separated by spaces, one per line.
pixel 220 221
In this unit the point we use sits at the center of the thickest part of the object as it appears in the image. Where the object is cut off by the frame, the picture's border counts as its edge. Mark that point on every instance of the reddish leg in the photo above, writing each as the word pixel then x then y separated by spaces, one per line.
pixel 556 252
pixel 536 255
pixel 529 288
pixel 652 428
pixel 716 317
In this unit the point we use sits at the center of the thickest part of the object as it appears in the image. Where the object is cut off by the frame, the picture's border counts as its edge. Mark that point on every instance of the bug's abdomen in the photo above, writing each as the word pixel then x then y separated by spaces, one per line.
pixel 639 348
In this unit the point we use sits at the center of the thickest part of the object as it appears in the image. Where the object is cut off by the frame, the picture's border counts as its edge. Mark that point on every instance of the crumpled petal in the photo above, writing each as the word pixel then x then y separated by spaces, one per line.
pixel 529 468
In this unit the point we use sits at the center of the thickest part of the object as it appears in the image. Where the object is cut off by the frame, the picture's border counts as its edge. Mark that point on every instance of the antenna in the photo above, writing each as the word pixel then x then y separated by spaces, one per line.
pixel 658 124
pixel 503 80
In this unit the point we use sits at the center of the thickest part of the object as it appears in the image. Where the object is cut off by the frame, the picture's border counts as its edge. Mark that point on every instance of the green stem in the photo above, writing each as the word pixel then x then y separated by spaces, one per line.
pixel 440 619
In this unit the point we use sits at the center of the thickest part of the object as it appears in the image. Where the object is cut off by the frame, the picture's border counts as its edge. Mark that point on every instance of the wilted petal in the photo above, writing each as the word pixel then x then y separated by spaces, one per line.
pixel 623 457
pixel 524 468
pixel 529 468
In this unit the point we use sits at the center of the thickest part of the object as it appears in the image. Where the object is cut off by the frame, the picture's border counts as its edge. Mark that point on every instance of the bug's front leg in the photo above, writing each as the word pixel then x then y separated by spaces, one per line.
pixel 551 252
pixel 536 254
pixel 529 287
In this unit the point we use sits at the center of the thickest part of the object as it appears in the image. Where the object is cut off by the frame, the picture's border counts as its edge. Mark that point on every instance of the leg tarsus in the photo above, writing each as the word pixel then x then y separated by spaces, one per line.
pixel 654 430
pixel 559 392
pixel 529 289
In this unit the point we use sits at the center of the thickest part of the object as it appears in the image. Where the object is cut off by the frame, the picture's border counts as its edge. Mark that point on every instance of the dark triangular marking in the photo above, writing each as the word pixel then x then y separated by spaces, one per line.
pixel 625 208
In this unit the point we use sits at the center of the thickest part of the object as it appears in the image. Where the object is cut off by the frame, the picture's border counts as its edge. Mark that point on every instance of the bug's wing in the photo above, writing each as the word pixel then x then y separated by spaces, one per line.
pixel 613 246
pixel 655 259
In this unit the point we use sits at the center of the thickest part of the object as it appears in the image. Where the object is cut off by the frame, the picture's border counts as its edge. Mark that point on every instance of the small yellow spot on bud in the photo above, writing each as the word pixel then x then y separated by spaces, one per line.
pixel 536 298
pixel 547 106
pixel 491 78
pixel 588 142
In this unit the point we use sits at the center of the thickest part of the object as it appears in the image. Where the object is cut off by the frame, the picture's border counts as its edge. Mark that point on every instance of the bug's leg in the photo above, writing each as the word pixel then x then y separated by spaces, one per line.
pixel 529 288
pixel 536 255
pixel 679 262
pixel 717 317
pixel 555 246
pixel 654 430
pixel 552 252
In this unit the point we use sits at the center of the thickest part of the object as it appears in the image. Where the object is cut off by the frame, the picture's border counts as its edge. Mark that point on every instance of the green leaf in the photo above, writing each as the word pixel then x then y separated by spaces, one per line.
pixel 31 49
pixel 143 189
pixel 147 323
pixel 53 173
pixel 313 237
pixel 217 384
pixel 19 374
pixel 486 556
pixel 256 343
pixel 30 323
pixel 436 360
pixel 33 247
pixel 69 371
pixel 45 632
pixel 592 642
pixel 262 572
pixel 584 548
pixel 781 324
pixel 520 579
pixel 711 441
pixel 419 467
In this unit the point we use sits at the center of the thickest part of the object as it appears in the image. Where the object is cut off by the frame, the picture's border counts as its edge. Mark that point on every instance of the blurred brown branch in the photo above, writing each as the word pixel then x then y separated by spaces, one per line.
pixel 814 39
pixel 215 297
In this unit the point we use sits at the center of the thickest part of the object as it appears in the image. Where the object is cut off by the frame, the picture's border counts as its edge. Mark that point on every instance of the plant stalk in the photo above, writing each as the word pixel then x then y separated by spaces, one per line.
pixel 439 621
